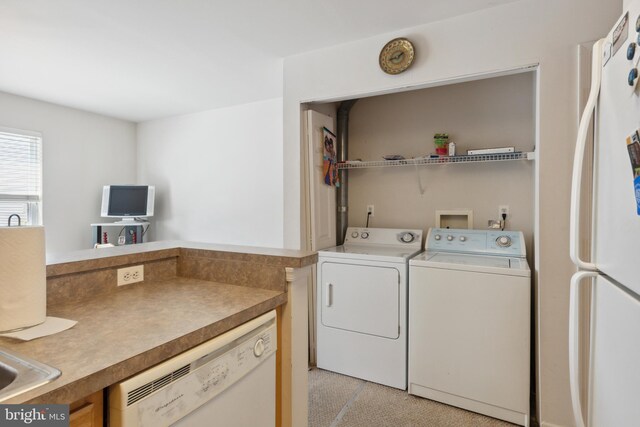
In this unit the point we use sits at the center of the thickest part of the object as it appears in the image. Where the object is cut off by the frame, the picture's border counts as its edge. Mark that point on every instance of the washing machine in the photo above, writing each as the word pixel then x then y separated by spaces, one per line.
pixel 469 322
pixel 362 304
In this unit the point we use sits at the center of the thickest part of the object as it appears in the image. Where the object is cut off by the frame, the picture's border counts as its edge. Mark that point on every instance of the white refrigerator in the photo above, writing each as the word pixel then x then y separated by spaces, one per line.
pixel 613 271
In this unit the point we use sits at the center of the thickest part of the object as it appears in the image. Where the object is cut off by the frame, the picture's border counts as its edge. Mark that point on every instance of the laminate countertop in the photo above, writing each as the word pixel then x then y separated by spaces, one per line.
pixel 90 259
pixel 124 332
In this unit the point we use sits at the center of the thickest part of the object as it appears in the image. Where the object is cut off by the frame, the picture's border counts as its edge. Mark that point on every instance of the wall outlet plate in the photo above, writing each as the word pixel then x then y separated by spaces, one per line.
pixel 503 209
pixel 129 275
pixel 370 210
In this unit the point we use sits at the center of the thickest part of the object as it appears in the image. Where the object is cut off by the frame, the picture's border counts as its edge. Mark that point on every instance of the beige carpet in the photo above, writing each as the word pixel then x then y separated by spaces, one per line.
pixel 337 400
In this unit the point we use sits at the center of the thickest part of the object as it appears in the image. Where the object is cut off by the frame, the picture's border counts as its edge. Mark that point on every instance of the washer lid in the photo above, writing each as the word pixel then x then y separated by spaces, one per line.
pixel 369 252
pixel 486 264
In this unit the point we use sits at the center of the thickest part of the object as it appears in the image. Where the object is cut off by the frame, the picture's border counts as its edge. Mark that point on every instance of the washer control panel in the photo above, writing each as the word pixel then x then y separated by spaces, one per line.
pixel 384 236
pixel 487 242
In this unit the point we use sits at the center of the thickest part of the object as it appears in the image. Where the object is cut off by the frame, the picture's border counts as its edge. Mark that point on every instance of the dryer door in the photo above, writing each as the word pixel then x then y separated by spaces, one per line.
pixel 361 298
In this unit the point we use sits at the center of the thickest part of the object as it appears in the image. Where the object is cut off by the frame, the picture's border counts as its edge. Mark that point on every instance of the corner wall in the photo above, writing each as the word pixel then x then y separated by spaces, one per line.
pixel 518 34
pixel 218 174
pixel 81 152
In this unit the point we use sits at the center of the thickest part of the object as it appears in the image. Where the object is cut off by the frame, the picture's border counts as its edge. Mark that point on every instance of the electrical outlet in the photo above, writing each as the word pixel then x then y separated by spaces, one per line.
pixel 129 275
pixel 370 210
pixel 503 209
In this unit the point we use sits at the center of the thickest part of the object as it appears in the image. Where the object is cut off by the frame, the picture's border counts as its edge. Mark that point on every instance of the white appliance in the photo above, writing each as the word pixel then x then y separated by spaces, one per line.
pixel 227 381
pixel 469 322
pixel 613 384
pixel 362 304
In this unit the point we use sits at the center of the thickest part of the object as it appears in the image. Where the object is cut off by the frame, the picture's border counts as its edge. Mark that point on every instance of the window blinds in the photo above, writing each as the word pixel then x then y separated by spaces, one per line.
pixel 20 176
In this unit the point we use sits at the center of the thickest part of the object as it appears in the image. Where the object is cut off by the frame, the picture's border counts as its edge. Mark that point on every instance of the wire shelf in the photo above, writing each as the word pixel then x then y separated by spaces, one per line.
pixel 442 160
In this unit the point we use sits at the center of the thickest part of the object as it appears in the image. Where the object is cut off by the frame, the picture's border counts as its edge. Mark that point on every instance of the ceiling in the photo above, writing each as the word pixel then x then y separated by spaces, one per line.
pixel 145 59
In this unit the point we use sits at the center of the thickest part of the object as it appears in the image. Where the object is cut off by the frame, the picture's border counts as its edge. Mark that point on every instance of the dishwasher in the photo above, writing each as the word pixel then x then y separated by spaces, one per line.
pixel 227 381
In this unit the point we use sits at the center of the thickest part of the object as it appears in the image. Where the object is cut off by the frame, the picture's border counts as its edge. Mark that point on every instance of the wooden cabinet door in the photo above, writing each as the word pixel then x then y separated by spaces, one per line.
pixel 87 412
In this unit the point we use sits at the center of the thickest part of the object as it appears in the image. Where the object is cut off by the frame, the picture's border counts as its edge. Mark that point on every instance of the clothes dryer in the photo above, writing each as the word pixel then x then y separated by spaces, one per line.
pixel 362 304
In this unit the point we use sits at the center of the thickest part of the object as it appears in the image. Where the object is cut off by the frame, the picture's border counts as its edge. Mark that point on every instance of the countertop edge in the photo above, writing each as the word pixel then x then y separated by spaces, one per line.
pixel 81 266
pixel 92 259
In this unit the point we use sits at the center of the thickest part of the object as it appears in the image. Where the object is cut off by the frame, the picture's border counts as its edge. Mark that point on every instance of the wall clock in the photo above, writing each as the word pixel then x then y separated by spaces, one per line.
pixel 396 56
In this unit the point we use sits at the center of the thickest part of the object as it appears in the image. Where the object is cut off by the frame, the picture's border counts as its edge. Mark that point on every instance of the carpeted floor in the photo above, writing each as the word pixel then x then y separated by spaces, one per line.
pixel 337 400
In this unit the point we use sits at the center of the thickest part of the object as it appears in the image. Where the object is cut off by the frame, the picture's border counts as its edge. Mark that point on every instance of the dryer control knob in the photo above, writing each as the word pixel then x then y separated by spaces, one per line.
pixel 504 241
pixel 364 235
pixel 463 239
pixel 437 237
pixel 407 237
pixel 354 234
pixel 449 237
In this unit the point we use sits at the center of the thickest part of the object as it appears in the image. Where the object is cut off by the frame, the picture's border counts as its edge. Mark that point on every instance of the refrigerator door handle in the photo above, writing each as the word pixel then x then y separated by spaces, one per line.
pixel 576 180
pixel 574 343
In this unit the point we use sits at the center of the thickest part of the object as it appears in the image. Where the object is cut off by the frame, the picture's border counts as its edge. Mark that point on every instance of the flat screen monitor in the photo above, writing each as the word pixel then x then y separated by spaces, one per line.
pixel 127 201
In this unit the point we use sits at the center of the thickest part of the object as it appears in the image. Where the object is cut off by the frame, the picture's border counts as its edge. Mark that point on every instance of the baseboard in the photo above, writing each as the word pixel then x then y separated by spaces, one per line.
pixel 544 424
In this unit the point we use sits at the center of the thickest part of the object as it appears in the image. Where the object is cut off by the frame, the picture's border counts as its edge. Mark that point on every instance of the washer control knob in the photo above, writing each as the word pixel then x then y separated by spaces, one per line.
pixel 258 348
pixel 364 235
pixel 437 237
pixel 504 241
pixel 407 237
pixel 354 234
pixel 463 239
pixel 449 237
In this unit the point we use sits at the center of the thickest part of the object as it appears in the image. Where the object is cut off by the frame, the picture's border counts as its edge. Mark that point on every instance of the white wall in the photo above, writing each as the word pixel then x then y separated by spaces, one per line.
pixel 81 153
pixel 544 32
pixel 218 174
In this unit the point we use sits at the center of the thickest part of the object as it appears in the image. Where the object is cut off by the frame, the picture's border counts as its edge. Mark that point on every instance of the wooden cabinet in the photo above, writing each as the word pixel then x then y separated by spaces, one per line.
pixel 87 412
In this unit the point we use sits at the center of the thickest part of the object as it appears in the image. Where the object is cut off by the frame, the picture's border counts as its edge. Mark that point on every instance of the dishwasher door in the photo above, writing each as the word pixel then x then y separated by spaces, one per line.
pixel 228 381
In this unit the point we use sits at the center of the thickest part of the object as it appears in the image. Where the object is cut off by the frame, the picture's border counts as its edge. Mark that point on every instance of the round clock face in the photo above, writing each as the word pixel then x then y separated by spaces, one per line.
pixel 396 56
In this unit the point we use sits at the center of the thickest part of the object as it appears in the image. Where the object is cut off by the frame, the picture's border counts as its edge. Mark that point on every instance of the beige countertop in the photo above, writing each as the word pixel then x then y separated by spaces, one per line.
pixel 135 327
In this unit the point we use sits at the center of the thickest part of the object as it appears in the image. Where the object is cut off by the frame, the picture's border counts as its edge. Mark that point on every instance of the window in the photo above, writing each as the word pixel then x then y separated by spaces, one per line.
pixel 20 176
